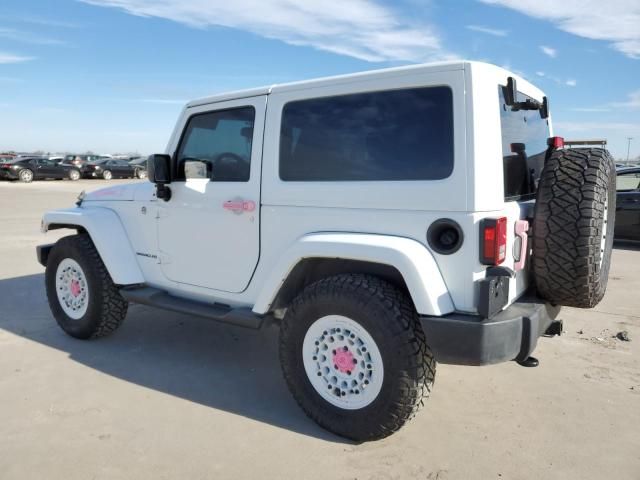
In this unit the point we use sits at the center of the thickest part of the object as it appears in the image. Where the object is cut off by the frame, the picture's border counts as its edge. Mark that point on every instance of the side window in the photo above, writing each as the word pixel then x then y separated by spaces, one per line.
pixel 217 146
pixel 628 181
pixel 376 136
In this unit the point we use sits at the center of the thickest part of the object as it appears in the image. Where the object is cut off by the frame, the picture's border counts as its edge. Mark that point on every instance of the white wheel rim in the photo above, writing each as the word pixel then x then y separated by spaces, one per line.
pixel 603 238
pixel 107 175
pixel 26 175
pixel 342 362
pixel 72 288
pixel 74 175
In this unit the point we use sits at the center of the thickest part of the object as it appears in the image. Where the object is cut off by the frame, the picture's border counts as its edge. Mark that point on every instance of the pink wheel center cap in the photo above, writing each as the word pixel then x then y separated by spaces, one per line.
pixel 75 288
pixel 343 360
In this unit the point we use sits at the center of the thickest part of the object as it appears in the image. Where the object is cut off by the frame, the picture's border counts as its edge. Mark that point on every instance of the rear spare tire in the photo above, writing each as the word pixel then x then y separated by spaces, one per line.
pixel 573 226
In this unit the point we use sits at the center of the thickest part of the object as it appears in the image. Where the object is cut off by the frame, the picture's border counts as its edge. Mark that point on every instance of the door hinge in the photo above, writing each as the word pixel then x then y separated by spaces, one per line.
pixel 162 213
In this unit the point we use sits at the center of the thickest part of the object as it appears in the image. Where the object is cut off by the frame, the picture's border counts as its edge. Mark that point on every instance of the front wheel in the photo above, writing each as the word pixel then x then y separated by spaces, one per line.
pixel 107 175
pixel 142 174
pixel 82 296
pixel 354 356
pixel 74 175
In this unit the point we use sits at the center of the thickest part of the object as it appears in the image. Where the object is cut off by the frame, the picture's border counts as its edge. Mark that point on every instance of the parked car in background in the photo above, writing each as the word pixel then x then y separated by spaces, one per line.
pixel 627 225
pixel 6 157
pixel 27 169
pixel 110 168
pixel 79 160
pixel 141 164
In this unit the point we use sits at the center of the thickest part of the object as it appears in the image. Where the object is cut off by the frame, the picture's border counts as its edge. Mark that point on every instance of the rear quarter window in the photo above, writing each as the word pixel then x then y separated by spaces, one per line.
pixel 389 135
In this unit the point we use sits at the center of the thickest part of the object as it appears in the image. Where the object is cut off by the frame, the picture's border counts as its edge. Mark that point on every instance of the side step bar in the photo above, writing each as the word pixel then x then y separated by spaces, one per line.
pixel 155 297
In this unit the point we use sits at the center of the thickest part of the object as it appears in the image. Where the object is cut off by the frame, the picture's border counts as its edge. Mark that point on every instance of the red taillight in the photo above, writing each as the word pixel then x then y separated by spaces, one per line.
pixel 555 142
pixel 493 234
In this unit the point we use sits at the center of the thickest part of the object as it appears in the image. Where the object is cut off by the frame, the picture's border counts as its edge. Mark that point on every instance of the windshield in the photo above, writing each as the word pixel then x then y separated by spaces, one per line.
pixel 524 145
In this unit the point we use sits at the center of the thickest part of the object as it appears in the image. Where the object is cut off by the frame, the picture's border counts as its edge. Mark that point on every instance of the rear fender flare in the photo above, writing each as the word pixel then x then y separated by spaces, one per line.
pixel 412 259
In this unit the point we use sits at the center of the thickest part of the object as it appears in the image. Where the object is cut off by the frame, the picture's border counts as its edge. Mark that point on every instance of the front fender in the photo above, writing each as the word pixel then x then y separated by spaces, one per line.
pixel 412 259
pixel 108 235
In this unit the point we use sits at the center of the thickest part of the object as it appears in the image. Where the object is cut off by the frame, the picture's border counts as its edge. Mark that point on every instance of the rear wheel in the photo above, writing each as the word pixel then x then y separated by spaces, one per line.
pixel 25 175
pixel 573 226
pixel 354 356
pixel 74 175
pixel 142 174
pixel 82 296
pixel 107 175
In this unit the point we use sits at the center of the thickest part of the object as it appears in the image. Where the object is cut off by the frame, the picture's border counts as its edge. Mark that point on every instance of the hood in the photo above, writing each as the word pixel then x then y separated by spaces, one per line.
pixel 113 194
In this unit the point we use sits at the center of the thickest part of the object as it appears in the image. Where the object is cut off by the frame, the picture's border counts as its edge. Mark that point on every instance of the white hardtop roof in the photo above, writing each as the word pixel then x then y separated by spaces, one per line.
pixel 385 72
pixel 423 68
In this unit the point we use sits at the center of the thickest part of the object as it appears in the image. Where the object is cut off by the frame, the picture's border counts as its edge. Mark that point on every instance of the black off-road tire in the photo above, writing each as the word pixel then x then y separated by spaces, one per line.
pixel 106 308
pixel 389 316
pixel 570 263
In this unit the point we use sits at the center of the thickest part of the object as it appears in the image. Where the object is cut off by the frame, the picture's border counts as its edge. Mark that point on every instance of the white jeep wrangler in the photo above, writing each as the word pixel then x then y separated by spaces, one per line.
pixel 386 221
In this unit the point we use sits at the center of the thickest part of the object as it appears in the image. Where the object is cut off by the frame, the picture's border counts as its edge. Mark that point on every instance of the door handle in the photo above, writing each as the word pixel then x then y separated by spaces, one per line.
pixel 239 206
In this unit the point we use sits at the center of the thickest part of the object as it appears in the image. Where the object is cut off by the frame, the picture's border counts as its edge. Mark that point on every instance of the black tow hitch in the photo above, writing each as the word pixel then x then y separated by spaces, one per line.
pixel 554 329
pixel 528 362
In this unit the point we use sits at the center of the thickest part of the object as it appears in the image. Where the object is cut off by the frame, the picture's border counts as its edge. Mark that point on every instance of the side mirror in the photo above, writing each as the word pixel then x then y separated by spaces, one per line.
pixel 159 168
pixel 159 172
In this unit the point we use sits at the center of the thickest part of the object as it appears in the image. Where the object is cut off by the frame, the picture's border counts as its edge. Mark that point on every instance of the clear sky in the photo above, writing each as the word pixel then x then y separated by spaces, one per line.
pixel 111 75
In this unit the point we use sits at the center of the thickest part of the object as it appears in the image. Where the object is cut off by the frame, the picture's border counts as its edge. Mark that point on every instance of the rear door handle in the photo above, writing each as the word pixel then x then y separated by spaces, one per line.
pixel 239 206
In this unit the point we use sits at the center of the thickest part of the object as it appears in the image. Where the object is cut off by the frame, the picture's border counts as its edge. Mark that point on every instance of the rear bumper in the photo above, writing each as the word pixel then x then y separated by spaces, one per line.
pixel 472 340
pixel 8 175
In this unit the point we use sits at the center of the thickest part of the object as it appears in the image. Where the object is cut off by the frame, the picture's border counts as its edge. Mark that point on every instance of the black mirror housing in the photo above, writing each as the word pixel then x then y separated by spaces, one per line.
pixel 159 169
pixel 159 172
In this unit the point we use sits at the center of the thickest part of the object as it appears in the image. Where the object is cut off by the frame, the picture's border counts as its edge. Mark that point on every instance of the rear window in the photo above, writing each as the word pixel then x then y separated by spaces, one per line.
pixel 524 145
pixel 390 135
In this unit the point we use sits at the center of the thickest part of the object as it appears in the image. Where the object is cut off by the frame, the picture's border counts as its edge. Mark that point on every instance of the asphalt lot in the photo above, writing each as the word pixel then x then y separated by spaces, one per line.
pixel 170 396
